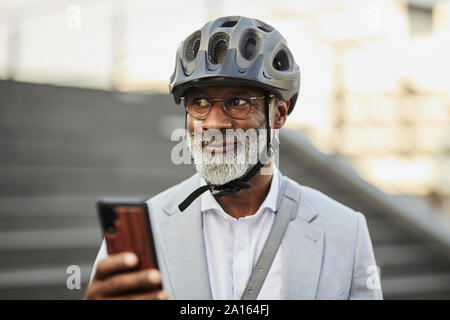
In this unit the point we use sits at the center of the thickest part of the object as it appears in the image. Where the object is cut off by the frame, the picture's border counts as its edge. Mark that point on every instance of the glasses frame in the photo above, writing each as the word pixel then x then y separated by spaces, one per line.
pixel 224 108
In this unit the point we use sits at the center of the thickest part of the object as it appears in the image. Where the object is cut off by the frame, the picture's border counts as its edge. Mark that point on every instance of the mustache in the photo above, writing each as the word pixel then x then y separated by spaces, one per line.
pixel 224 137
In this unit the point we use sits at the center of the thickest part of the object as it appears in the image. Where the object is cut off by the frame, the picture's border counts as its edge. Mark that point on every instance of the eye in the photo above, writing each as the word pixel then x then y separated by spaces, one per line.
pixel 236 102
pixel 200 102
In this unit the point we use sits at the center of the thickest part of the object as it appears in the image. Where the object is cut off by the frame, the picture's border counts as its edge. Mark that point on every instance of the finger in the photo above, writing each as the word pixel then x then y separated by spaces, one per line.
pixel 115 263
pixel 142 280
pixel 153 295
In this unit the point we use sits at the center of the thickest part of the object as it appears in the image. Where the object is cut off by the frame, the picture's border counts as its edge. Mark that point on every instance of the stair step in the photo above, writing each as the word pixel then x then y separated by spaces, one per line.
pixel 73 238
pixel 416 285
pixel 31 258
pixel 29 180
pixel 49 276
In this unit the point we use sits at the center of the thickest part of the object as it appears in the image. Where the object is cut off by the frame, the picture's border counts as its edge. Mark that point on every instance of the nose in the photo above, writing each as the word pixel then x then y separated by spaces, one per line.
pixel 217 118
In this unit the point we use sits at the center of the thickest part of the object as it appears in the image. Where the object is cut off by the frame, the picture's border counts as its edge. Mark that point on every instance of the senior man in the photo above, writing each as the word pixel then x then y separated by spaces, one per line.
pixel 238 228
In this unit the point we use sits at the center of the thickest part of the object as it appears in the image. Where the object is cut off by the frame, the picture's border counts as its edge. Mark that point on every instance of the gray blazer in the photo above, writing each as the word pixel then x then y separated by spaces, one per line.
pixel 326 251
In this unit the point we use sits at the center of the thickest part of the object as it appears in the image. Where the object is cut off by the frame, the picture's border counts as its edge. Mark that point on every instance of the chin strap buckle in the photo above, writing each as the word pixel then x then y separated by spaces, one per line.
pixel 232 187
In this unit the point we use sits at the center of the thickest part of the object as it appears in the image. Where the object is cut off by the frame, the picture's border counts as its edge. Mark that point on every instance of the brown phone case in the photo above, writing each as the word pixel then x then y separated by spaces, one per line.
pixel 126 227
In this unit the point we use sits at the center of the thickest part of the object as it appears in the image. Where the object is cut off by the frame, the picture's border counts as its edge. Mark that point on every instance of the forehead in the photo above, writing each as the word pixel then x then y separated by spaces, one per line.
pixel 220 91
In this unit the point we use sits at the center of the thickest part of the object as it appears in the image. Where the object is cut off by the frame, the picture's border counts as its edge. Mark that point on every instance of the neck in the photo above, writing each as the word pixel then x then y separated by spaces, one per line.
pixel 247 201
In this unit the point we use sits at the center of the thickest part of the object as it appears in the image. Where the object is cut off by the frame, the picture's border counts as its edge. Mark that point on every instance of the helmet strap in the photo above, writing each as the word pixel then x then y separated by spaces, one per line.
pixel 268 120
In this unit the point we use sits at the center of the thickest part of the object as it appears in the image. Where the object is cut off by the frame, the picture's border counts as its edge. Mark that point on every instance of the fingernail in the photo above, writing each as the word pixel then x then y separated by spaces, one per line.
pixel 130 259
pixel 154 276
pixel 163 295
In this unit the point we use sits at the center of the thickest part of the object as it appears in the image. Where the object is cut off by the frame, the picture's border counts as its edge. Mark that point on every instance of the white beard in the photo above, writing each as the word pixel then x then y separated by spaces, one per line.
pixel 220 168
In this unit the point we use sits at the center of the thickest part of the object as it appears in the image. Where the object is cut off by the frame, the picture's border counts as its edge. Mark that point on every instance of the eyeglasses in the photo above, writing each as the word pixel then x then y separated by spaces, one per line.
pixel 236 106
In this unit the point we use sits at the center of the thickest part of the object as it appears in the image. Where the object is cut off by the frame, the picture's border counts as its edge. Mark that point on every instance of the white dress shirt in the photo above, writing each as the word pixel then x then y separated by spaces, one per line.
pixel 233 245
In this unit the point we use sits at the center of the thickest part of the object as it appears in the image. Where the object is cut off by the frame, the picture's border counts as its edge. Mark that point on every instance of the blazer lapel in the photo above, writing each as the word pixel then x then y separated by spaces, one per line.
pixel 184 248
pixel 302 253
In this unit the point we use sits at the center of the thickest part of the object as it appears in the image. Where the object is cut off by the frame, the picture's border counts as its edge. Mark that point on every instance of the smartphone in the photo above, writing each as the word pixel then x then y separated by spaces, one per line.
pixel 126 227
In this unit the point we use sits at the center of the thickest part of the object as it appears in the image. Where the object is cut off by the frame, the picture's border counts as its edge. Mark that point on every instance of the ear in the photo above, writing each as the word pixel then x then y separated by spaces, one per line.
pixel 280 113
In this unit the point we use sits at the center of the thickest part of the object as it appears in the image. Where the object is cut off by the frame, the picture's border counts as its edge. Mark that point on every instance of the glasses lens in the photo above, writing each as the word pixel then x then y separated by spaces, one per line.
pixel 197 107
pixel 237 107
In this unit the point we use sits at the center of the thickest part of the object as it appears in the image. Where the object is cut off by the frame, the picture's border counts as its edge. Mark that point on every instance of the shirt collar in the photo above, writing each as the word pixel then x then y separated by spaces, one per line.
pixel 208 202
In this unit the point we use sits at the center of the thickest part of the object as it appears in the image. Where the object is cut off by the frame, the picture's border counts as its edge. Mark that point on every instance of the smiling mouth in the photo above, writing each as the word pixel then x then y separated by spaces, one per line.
pixel 219 147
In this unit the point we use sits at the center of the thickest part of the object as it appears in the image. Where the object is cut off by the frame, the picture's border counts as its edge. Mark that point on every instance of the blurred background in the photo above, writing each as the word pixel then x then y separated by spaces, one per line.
pixel 85 113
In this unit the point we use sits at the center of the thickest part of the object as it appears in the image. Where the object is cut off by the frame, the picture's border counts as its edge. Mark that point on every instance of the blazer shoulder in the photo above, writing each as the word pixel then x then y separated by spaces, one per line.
pixel 171 197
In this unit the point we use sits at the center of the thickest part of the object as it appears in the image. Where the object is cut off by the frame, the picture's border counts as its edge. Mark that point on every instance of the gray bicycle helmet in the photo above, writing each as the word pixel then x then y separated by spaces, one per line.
pixel 236 50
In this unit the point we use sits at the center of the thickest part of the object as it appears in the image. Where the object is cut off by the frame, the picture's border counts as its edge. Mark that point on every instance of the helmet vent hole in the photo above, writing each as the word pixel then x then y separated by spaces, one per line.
pixel 264 26
pixel 196 47
pixel 192 46
pixel 219 51
pixel 281 61
pixel 228 24
pixel 249 48
pixel 250 44
pixel 218 48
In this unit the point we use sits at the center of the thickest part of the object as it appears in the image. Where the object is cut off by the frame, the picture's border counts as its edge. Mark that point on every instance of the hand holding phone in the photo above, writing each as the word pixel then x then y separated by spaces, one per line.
pixel 131 269
pixel 126 228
